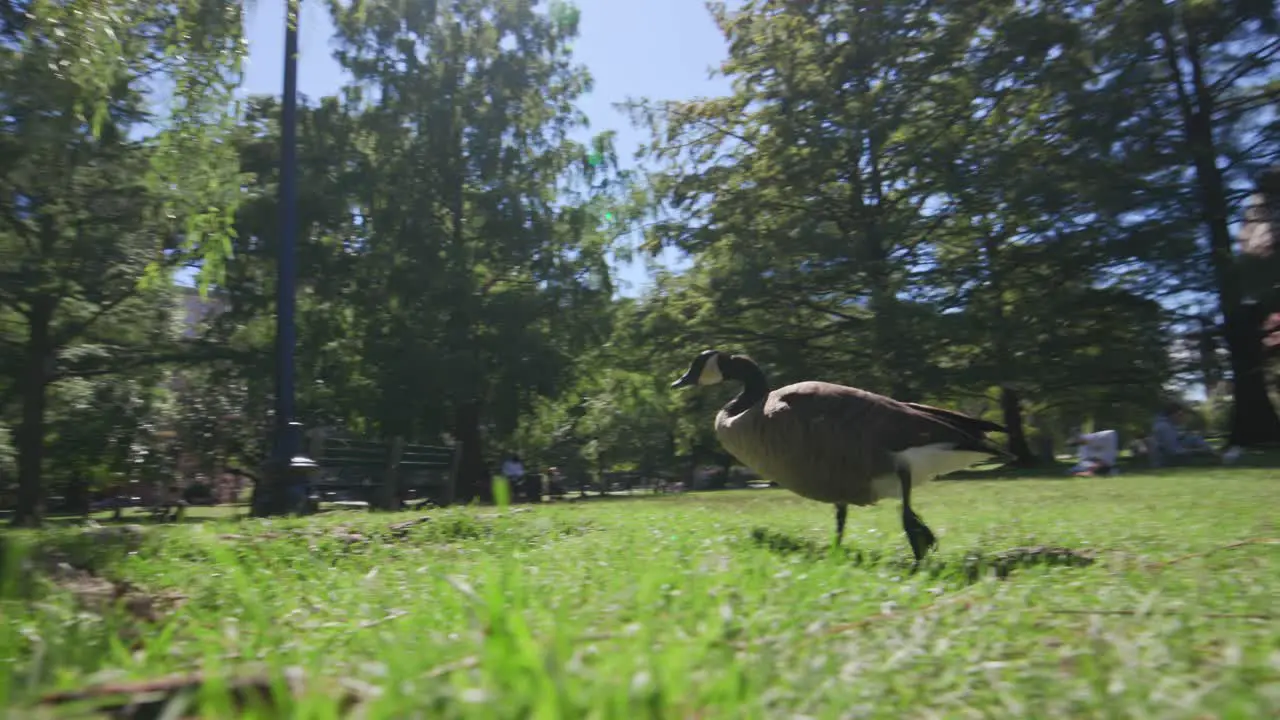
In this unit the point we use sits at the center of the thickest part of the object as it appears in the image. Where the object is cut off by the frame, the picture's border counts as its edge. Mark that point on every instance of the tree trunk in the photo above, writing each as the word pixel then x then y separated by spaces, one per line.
pixel 34 383
pixel 274 488
pixel 473 476
pixel 1046 447
pixel 389 492
pixel 895 369
pixel 1011 406
pixel 1253 418
pixel 1010 399
pixel 601 482
pixel 78 501
pixel 865 222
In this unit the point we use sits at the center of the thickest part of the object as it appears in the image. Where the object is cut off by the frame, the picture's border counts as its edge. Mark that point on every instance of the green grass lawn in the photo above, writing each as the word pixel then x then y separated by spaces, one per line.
pixel 141 514
pixel 724 604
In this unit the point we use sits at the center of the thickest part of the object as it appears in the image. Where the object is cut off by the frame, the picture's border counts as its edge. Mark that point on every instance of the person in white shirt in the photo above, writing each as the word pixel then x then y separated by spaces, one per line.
pixel 1098 452
pixel 513 470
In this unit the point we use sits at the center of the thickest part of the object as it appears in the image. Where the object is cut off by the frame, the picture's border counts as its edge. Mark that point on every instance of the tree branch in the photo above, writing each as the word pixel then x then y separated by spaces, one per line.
pixel 1253 61
pixel 183 358
pixel 1246 103
pixel 723 131
pixel 193 354
pixel 76 329
pixel 1175 72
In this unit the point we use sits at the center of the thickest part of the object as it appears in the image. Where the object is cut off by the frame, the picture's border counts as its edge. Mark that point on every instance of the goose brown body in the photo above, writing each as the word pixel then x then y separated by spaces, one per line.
pixel 838 444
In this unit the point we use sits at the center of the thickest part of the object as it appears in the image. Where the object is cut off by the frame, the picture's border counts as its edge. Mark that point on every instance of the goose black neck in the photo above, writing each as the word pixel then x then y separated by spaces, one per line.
pixel 754 385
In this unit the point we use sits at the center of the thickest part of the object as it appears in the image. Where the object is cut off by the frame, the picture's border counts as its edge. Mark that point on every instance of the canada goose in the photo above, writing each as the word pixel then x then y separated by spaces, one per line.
pixel 838 444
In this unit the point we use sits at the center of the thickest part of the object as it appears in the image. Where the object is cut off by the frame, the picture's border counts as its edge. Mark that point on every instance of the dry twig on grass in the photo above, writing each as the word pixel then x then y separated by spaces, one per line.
pixel 172 696
pixel 941 603
pixel 1134 613
pixel 1203 553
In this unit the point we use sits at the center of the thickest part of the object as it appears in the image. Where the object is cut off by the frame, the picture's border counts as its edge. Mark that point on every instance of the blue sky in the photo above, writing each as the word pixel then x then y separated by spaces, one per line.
pixel 661 49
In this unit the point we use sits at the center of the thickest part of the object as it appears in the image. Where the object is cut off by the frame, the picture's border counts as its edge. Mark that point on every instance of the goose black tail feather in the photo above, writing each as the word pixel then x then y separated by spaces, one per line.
pixel 978 443
pixel 968 424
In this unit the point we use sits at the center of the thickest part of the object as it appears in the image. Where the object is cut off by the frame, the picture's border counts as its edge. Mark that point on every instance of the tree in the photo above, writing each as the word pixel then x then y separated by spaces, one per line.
pixel 330 278
pixel 797 195
pixel 617 412
pixel 1204 74
pixel 481 221
pixel 88 217
pixel 1025 253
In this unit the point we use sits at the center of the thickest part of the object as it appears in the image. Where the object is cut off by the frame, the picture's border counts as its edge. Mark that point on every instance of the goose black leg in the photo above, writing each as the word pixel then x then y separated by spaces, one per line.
pixel 918 534
pixel 842 511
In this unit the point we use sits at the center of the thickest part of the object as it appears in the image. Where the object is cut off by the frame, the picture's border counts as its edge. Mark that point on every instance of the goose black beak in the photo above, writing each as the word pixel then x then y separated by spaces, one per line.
pixel 685 380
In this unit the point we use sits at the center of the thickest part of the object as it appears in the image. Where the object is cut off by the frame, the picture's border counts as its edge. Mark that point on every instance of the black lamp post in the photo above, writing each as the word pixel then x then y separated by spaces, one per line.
pixel 289 466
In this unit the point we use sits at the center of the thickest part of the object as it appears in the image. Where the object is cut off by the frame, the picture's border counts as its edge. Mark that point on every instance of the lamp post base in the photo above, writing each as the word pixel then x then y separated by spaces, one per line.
pixel 286 480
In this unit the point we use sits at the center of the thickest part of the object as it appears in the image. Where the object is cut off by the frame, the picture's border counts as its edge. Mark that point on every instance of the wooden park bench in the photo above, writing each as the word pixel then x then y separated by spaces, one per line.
pixel 377 472
pixel 164 511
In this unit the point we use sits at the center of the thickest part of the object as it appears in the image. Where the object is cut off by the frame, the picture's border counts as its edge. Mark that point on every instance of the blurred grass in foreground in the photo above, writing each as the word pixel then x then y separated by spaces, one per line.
pixel 726 604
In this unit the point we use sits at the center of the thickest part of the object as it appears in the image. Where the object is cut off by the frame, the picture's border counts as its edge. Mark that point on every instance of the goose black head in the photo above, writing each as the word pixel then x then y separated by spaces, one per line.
pixel 704 370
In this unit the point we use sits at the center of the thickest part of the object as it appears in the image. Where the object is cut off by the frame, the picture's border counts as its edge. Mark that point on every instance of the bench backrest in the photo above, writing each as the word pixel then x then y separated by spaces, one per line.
pixel 417 465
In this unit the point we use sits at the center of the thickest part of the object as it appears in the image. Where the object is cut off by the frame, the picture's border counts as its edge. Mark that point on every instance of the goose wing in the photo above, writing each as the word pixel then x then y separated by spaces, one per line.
pixel 871 422
pixel 969 424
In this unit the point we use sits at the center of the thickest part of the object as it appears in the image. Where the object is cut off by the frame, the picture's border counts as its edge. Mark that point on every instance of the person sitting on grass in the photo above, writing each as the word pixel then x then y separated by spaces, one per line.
pixel 1098 452
pixel 1168 441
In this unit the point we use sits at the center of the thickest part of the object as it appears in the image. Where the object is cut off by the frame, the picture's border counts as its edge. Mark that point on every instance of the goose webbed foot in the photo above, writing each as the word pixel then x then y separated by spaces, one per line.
pixel 842 512
pixel 918 534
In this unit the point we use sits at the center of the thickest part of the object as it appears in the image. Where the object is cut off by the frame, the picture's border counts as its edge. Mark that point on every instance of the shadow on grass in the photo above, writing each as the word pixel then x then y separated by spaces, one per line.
pixel 60 521
pixel 614 496
pixel 1127 466
pixel 605 497
pixel 138 516
pixel 54 552
pixel 972 568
